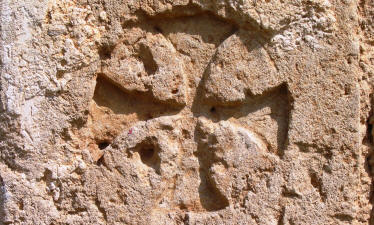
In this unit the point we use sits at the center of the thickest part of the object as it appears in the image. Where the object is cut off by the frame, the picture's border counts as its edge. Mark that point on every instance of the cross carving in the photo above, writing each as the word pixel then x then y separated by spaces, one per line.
pixel 184 115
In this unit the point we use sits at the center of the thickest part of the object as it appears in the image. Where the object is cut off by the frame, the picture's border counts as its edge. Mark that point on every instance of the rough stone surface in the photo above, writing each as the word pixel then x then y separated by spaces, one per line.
pixel 186 112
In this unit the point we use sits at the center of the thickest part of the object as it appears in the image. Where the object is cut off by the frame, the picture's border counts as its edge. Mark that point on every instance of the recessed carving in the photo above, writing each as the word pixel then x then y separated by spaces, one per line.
pixel 149 151
pixel 103 144
pixel 168 67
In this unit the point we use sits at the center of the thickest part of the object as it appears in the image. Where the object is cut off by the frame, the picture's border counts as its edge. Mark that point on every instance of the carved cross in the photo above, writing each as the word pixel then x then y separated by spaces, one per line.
pixel 201 126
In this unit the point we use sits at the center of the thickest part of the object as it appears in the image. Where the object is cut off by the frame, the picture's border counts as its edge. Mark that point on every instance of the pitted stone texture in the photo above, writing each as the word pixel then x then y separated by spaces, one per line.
pixel 185 112
pixel 149 64
pixel 230 77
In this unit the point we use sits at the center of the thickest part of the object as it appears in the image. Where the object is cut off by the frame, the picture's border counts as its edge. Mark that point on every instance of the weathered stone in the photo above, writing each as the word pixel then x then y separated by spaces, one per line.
pixel 186 112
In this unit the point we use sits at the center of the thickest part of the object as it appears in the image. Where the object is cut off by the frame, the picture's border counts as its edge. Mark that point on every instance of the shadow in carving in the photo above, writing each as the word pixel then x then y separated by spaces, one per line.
pixel 256 112
pixel 369 159
pixel 2 200
pixel 111 96
pixel 211 198
pixel 148 151
pixel 278 101
pixel 188 20
pixel 205 28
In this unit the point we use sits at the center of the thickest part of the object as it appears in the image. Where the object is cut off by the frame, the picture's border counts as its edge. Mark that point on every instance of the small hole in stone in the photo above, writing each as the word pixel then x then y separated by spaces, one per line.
pixel 20 205
pixel 100 161
pixel 146 154
pixel 63 62
pixel 149 154
pixel 175 91
pixel 60 74
pixel 105 52
pixel 182 206
pixel 347 89
pixel 103 145
pixel 186 134
pixel 213 109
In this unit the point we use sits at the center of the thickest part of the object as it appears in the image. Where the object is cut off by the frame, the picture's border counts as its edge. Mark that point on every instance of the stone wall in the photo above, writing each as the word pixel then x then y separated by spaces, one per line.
pixel 186 112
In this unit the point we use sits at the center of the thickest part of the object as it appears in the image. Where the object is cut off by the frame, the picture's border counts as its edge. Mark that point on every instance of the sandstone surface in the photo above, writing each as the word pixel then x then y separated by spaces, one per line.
pixel 186 112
